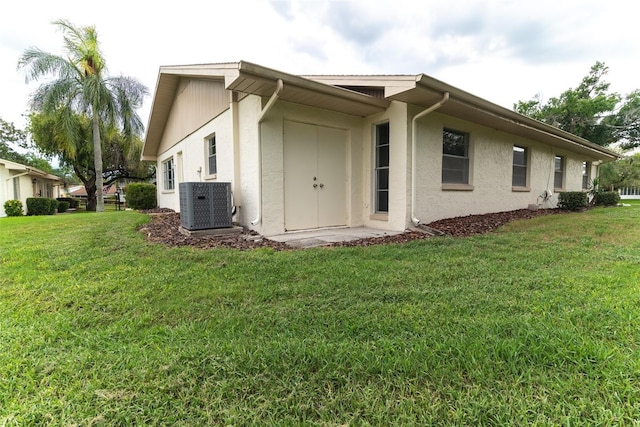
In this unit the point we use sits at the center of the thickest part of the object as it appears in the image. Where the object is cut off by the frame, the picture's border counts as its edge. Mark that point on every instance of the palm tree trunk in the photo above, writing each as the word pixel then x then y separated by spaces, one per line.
pixel 97 161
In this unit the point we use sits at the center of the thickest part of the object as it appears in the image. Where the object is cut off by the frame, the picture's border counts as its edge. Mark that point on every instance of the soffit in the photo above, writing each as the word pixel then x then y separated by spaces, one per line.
pixel 249 78
pixel 428 92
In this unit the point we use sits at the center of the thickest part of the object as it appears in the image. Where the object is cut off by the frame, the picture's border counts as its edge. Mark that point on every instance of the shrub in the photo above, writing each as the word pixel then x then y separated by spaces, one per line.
pixel 73 203
pixel 572 200
pixel 13 208
pixel 606 198
pixel 41 206
pixel 63 206
pixel 141 196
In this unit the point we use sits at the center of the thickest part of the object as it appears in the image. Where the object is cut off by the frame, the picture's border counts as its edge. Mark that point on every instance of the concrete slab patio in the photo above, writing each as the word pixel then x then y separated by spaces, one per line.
pixel 323 237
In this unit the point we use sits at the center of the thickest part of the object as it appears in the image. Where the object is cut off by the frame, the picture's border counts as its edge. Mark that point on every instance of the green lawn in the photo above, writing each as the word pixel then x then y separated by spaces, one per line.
pixel 537 323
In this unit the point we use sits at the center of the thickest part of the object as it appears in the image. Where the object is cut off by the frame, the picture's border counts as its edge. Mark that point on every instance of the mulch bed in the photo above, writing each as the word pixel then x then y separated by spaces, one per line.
pixel 164 224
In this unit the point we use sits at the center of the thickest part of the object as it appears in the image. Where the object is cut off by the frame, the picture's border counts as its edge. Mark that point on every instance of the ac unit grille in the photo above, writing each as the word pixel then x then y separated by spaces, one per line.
pixel 205 205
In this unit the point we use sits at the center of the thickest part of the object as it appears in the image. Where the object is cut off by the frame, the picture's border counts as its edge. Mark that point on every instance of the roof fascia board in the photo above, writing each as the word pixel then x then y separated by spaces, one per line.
pixel 505 114
pixel 263 73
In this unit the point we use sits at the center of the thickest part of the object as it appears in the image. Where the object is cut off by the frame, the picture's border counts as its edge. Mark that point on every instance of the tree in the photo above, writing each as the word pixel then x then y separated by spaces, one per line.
pixel 10 135
pixel 591 111
pixel 120 155
pixel 81 87
pixel 621 173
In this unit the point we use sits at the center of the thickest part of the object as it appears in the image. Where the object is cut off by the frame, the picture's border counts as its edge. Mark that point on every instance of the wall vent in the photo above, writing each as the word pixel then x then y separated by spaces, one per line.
pixel 205 205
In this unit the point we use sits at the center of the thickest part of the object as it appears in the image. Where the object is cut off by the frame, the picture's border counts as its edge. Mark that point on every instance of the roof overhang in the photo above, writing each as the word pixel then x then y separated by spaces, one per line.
pixel 28 170
pixel 427 91
pixel 248 78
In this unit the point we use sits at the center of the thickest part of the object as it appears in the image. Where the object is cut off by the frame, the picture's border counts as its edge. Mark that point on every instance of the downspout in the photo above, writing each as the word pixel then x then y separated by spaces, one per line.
pixel 414 142
pixel 265 110
pixel 237 196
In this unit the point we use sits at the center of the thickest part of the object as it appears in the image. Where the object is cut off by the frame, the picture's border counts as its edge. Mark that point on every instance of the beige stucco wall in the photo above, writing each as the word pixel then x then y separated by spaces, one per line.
pixel 491 162
pixel 190 157
pixel 399 167
pixel 26 187
pixel 273 157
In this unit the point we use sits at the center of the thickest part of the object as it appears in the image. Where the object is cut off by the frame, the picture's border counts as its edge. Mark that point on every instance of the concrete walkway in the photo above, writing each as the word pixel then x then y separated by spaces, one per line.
pixel 323 237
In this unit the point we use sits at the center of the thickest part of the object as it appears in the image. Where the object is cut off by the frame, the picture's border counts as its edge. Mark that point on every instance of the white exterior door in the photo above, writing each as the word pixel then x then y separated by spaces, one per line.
pixel 314 176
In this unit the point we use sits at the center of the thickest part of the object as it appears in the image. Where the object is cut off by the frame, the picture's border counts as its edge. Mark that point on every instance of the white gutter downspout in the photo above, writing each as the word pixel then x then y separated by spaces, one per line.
pixel 414 137
pixel 265 110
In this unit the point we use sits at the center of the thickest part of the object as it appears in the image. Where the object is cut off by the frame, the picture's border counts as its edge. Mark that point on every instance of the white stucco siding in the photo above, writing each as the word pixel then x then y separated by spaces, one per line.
pixel 249 109
pixel 399 169
pixel 490 171
pixel 272 136
pixel 190 157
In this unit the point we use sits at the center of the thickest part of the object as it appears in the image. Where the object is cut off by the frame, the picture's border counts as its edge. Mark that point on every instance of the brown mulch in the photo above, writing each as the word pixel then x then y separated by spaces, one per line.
pixel 164 224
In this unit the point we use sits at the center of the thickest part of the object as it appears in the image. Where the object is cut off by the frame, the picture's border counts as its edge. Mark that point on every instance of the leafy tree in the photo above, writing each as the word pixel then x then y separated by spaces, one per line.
pixel 591 111
pixel 79 87
pixel 621 173
pixel 9 134
pixel 120 155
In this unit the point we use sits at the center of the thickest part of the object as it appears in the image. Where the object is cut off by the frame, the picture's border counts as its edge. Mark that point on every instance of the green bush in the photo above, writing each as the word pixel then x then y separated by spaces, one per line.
pixel 141 196
pixel 73 203
pixel 41 206
pixel 13 208
pixel 606 198
pixel 63 206
pixel 572 200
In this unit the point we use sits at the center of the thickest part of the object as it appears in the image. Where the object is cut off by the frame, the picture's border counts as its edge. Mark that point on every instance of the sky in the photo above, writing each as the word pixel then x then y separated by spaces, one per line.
pixel 503 51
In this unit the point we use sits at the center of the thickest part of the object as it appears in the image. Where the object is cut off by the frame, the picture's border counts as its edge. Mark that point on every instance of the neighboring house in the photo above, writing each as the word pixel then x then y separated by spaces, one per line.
pixel 305 152
pixel 19 182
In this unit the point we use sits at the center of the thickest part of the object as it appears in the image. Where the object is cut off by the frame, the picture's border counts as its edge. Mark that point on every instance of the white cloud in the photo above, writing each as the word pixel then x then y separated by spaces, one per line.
pixel 501 50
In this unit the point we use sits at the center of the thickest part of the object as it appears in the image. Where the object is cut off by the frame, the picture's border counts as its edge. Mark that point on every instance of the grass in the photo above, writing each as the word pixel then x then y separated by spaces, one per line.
pixel 536 324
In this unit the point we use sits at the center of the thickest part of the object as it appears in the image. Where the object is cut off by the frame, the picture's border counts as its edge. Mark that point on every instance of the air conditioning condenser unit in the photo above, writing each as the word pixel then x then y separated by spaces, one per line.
pixel 205 205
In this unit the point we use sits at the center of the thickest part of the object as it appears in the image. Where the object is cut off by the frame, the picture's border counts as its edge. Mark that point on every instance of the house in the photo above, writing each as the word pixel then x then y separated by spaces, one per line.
pixel 19 182
pixel 388 151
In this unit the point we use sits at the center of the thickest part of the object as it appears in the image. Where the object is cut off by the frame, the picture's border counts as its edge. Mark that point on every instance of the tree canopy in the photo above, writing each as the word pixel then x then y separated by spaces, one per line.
pixel 10 136
pixel 120 155
pixel 77 87
pixel 591 111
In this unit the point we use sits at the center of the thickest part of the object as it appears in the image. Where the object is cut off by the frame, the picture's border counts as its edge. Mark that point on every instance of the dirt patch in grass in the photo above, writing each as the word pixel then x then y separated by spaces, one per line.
pixel 164 228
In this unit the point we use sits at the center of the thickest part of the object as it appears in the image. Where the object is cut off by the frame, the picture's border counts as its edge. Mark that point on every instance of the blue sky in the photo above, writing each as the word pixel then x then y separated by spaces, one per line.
pixel 500 50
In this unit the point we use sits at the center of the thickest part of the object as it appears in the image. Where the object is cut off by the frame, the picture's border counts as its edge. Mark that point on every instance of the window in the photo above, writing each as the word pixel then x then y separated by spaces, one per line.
pixel 168 172
pixel 16 188
pixel 519 178
pixel 558 178
pixel 382 168
pixel 455 157
pixel 586 175
pixel 213 166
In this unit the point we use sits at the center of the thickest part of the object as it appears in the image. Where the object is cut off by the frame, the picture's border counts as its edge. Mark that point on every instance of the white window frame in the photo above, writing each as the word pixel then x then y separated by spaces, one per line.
pixel 168 175
pixel 381 168
pixel 448 158
pixel 559 172
pixel 211 142
pixel 520 166
pixel 586 175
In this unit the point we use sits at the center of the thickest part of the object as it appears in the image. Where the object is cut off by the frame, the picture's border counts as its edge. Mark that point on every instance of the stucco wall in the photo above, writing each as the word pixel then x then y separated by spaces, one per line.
pixel 399 167
pixel 490 171
pixel 273 157
pixel 190 158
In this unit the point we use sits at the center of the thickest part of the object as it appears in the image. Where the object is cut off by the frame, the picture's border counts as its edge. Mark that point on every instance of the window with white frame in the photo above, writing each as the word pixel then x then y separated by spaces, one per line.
pixel 211 152
pixel 519 177
pixel 586 175
pixel 455 157
pixel 169 174
pixel 382 168
pixel 558 177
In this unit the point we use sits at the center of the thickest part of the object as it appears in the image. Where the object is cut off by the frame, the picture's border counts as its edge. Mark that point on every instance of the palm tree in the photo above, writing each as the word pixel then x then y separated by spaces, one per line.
pixel 80 85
